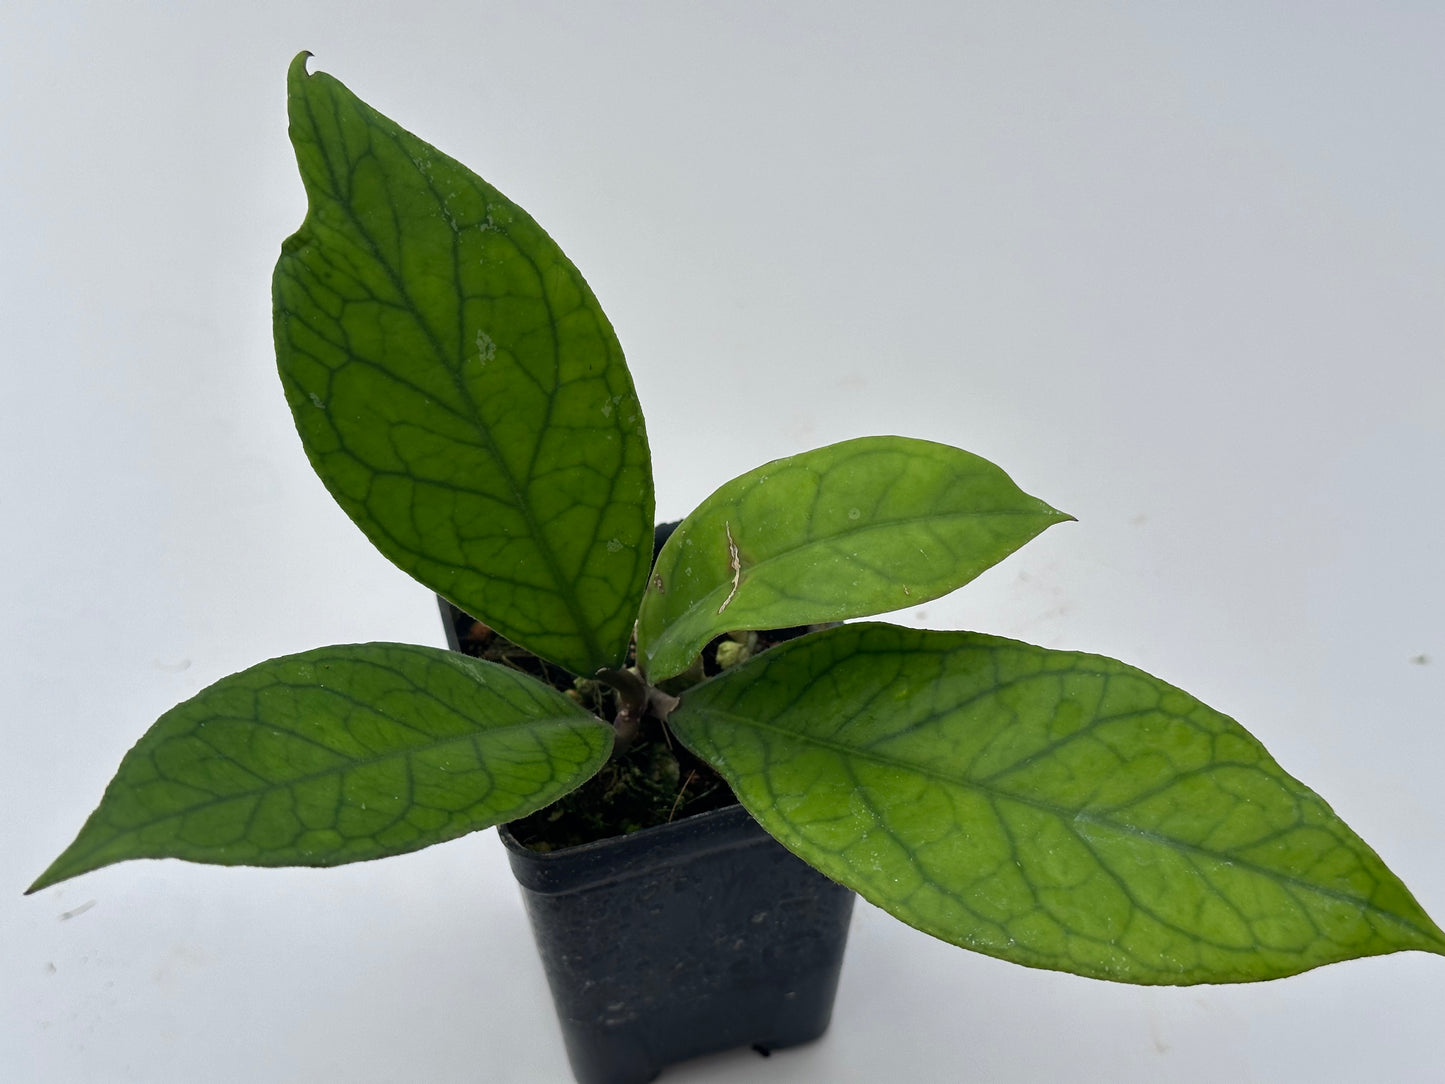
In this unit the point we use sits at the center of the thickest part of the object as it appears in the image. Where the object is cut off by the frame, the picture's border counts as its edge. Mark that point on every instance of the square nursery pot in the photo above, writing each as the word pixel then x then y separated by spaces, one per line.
pixel 680 940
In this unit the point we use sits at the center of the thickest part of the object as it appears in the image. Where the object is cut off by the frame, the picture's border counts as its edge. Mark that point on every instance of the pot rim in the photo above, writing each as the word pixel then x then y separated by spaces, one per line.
pixel 620 858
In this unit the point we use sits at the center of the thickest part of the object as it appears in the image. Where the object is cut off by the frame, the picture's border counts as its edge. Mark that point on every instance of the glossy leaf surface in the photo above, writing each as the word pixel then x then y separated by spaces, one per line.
pixel 339 755
pixel 457 387
pixel 1054 809
pixel 851 529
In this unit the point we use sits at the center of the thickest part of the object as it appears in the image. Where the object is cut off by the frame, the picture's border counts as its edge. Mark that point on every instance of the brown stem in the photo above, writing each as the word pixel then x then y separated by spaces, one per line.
pixel 635 698
pixel 631 705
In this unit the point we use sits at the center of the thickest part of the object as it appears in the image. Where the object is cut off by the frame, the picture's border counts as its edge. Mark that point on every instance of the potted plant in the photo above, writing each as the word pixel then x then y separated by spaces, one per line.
pixel 460 392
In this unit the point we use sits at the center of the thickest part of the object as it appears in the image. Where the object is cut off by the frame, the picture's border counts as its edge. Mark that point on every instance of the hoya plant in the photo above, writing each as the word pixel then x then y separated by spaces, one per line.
pixel 458 389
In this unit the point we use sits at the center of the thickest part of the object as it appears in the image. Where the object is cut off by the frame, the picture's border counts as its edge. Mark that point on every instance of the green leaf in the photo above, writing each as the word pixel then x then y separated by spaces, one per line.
pixel 851 529
pixel 339 755
pixel 1054 809
pixel 457 387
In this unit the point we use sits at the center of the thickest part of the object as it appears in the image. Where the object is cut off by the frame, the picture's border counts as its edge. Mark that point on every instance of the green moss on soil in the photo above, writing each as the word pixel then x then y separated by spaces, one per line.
pixel 654 782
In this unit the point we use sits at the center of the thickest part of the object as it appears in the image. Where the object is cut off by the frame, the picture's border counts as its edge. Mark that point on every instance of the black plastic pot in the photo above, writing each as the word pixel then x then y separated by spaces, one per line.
pixel 681 940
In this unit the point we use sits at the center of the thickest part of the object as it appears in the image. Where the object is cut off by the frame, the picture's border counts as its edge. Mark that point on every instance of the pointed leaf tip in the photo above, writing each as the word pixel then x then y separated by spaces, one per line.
pixel 861 527
pixel 338 755
pixel 1051 808
pixel 457 386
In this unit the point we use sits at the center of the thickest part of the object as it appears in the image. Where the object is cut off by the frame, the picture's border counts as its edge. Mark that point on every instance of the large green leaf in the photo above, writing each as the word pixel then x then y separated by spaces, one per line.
pixel 457 387
pixel 851 529
pixel 339 755
pixel 1055 809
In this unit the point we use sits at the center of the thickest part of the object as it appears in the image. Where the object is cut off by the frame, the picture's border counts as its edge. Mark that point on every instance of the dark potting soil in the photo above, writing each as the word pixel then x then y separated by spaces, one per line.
pixel 655 781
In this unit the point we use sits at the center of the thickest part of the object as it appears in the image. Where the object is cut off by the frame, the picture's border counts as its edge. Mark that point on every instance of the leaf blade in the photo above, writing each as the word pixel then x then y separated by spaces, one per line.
pixel 457 386
pixel 1054 809
pixel 847 530
pixel 341 754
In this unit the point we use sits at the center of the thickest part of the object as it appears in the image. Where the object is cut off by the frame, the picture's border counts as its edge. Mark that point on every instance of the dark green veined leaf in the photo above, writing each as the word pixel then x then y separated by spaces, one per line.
pixel 339 755
pixel 458 388
pixel 1054 809
pixel 848 530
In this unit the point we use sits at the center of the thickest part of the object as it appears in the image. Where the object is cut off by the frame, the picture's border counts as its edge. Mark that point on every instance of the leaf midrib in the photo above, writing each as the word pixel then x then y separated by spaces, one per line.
pixel 311 777
pixel 995 795
pixel 582 627
pixel 706 601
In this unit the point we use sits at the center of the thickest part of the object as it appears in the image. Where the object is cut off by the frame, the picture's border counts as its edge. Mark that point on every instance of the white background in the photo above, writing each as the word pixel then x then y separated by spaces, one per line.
pixel 1179 268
